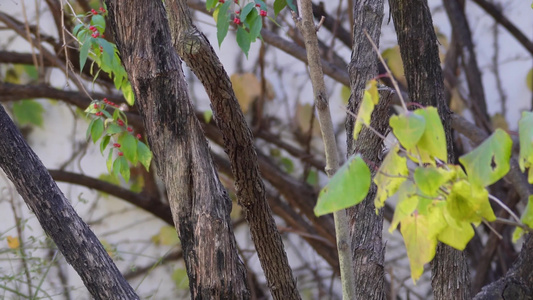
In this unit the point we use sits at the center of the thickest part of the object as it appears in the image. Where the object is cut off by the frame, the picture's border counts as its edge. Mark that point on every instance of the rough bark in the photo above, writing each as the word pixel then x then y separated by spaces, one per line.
pixel 366 226
pixel 517 284
pixel 419 51
pixel 73 237
pixel 200 206
pixel 194 48
pixel 463 36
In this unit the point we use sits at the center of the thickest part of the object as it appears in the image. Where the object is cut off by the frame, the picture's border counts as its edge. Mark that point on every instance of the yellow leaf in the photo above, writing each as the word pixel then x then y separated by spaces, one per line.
pixel 13 242
pixel 167 236
pixel 247 88
pixel 392 173
pixel 394 61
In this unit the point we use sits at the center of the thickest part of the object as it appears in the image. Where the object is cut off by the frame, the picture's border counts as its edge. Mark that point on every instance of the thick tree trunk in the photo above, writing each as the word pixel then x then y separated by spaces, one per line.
pixel 420 55
pixel 366 225
pixel 194 48
pixel 200 205
pixel 73 237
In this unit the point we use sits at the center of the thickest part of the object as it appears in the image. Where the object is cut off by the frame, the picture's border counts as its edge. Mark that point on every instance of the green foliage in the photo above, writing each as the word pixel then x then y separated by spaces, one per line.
pixel 437 202
pixel 346 188
pixel 28 112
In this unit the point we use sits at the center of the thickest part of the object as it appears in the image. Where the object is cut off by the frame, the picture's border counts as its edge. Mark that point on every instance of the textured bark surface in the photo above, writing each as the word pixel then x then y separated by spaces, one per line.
pixel 366 226
pixel 419 51
pixel 73 237
pixel 194 48
pixel 517 284
pixel 200 205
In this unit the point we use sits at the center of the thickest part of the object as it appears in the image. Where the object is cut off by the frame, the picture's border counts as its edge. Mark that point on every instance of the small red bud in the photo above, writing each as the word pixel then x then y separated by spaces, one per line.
pixel 237 12
pixel 237 21
pixel 105 100
pixel 92 28
pixel 139 136
pixel 263 13
pixel 95 35
pixel 95 105
pixel 94 12
pixel 120 122
pixel 120 154
pixel 102 10
pixel 221 1
pixel 258 5
pixel 116 145
pixel 130 129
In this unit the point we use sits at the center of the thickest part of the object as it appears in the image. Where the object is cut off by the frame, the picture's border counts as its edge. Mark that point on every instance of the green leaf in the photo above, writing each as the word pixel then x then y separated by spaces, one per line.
pixel 84 52
pixel 420 237
pixel 208 115
pixel 467 204
pixel 243 40
pixel 109 161
pixel 144 155
pixel 392 173
pixel 279 5
pixel 167 236
pixel 433 141
pixel 28 112
pixel 407 203
pixel 127 92
pixel 97 129
pixel 429 179
pixel 209 4
pixel 104 142
pixel 525 130
pixel 489 161
pixel 256 25
pixel 527 218
pixel 222 20
pixel 124 168
pixel 113 128
pixel 346 188
pixel 456 234
pixel 180 278
pixel 98 21
pixel 77 28
pixel 312 178
pixel 128 147
pixel 408 128
pixel 109 51
pixel 291 5
pixel 246 10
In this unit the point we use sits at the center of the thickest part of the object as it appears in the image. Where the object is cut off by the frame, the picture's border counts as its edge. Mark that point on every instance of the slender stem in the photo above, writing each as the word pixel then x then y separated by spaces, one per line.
pixel 308 29
pixel 507 209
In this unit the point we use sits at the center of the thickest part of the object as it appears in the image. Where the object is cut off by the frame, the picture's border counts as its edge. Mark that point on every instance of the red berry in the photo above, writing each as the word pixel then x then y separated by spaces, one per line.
pixel 258 5
pixel 221 1
pixel 102 10
pixel 116 145
pixel 92 28
pixel 95 35
pixel 99 113
pixel 95 105
pixel 94 12
pixel 263 13
pixel 120 122
pixel 237 12
pixel 237 1
pixel 139 136
pixel 120 154
pixel 105 100
pixel 130 129
pixel 237 21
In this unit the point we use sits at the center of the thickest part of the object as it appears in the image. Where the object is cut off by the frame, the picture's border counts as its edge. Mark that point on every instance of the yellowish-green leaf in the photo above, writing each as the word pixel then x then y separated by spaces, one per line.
pixel 408 128
pixel 28 112
pixel 372 88
pixel 392 173
pixel 429 179
pixel 467 204
pixel 407 203
pixel 527 218
pixel 433 141
pixel 167 236
pixel 394 61
pixel 420 237
pixel 346 188
pixel 525 130
pixel 457 234
pixel 180 278
pixel 489 161
pixel 364 114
